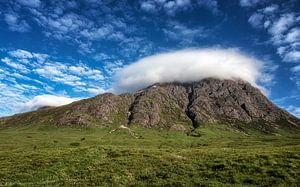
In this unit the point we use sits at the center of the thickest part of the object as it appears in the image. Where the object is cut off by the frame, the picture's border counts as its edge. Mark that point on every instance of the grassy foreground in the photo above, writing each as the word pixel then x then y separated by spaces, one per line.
pixel 49 156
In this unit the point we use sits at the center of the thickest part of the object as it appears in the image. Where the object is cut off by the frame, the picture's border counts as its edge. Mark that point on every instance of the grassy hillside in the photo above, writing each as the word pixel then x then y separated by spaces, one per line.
pixel 214 155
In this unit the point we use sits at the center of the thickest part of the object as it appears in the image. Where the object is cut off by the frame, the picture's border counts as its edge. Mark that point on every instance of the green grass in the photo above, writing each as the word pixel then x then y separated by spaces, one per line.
pixel 41 155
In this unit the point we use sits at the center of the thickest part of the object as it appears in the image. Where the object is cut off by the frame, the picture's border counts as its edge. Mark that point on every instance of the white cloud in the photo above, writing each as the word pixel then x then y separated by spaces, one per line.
pixel 290 98
pixel 25 74
pixel 85 48
pixel 12 94
pixel 256 20
pixel 97 33
pixel 296 69
pixel 280 26
pixel 184 34
pixel 187 66
pixel 148 6
pixel 103 57
pixel 283 23
pixel 293 35
pixel 18 75
pixel 95 75
pixel 24 56
pixel 15 24
pixel 107 32
pixel 211 5
pixel 95 91
pixel 292 56
pixel 19 53
pixel 30 3
pixel 65 26
pixel 62 22
pixel 73 75
pixel 171 7
pixel 24 62
pixel 110 68
pixel 67 23
pixel 284 35
pixel 294 110
pixel 83 70
pixel 59 73
pixel 295 75
pixel 45 100
pixel 92 90
pixel 270 9
pixel 181 3
pixel 15 65
pixel 249 3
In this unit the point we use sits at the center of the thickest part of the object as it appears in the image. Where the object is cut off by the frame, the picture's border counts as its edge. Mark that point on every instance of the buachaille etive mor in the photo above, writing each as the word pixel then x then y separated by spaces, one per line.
pixel 174 106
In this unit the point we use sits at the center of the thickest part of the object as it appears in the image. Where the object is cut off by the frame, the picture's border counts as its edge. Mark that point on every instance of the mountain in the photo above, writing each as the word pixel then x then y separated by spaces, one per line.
pixel 173 106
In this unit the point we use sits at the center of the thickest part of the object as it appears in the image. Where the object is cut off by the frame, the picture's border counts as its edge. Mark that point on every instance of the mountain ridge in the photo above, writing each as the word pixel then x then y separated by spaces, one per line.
pixel 173 106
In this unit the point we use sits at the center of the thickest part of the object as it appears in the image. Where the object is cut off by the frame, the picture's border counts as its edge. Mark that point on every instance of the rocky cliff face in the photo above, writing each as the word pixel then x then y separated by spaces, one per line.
pixel 161 106
pixel 175 106
pixel 187 106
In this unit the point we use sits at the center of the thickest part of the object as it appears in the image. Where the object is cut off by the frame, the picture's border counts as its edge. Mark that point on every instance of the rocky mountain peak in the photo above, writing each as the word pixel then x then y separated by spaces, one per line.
pixel 174 106
pixel 206 101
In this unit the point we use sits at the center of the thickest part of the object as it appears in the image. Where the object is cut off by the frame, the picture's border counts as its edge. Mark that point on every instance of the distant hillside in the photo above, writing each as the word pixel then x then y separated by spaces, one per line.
pixel 174 106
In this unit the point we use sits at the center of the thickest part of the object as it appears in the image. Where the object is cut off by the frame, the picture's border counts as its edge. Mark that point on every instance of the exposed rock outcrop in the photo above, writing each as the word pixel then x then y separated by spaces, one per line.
pixel 161 106
pixel 101 110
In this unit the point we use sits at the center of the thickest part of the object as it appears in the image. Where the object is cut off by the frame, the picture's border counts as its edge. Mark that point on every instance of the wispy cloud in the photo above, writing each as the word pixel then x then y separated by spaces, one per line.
pixel 296 69
pixel 22 55
pixel 186 35
pixel 211 5
pixel 296 75
pixel 169 7
pixel 30 3
pixel 148 6
pixel 282 25
pixel 41 64
pixel 250 3
pixel 25 74
pixel 119 24
pixel 283 35
pixel 15 24
pixel 294 110
pixel 45 100
pixel 174 6
pixel 13 94
pixel 15 65
pixel 256 20
pixel 68 74
pixel 92 90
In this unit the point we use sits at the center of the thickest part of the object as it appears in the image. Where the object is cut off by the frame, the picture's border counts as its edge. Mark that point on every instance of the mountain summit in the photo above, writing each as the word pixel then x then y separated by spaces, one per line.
pixel 174 106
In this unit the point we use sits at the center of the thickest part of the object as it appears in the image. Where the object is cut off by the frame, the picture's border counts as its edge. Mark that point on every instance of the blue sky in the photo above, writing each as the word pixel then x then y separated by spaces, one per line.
pixel 62 50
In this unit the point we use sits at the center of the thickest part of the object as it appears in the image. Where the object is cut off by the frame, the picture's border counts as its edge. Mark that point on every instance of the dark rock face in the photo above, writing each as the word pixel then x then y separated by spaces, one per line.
pixel 161 106
pixel 188 105
pixel 214 100
pixel 175 106
pixel 100 110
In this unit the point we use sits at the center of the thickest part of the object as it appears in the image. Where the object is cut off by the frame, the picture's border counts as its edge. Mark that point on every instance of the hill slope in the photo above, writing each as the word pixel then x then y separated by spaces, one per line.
pixel 174 106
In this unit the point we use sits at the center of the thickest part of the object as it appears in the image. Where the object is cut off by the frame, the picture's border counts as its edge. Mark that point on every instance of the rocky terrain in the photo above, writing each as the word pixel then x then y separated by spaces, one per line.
pixel 174 106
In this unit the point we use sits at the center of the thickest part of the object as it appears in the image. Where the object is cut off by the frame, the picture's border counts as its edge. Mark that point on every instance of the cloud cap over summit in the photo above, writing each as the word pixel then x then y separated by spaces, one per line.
pixel 188 66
